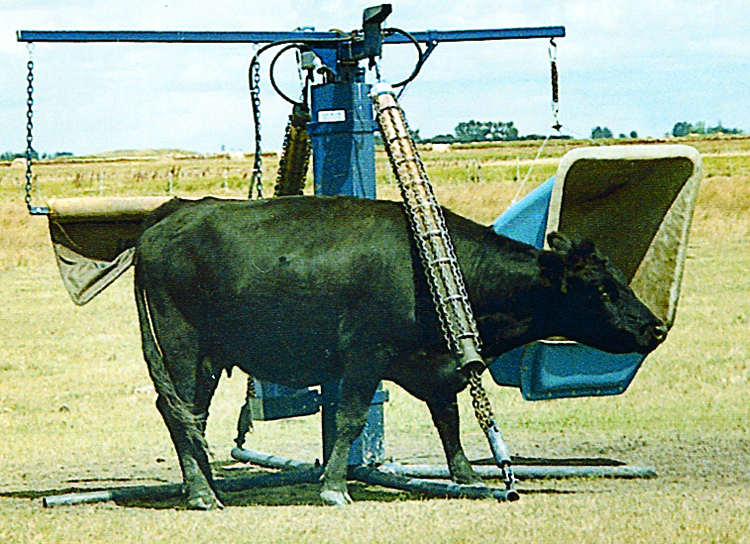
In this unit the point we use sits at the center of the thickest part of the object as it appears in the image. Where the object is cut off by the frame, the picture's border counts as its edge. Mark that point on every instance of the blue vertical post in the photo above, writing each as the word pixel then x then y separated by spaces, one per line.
pixel 343 147
pixel 341 132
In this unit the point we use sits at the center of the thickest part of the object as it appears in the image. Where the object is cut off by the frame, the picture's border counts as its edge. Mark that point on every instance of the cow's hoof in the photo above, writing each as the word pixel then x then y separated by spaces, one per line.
pixel 467 477
pixel 204 501
pixel 336 498
pixel 474 481
pixel 462 472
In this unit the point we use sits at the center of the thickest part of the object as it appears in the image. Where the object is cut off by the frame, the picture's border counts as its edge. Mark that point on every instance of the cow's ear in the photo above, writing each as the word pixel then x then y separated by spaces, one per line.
pixel 584 249
pixel 552 265
pixel 559 242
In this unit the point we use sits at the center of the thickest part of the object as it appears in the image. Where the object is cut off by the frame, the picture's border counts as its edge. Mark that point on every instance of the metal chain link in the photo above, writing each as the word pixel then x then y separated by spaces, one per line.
pixel 295 154
pixel 557 125
pixel 245 420
pixel 256 181
pixel 440 264
pixel 29 129
pixel 480 402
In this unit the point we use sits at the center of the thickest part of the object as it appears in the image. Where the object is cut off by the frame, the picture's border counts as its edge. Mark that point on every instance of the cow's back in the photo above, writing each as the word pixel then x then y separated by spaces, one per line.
pixel 271 236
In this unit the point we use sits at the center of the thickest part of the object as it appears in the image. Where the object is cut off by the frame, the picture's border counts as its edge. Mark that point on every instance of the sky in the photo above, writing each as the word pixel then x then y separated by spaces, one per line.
pixel 625 65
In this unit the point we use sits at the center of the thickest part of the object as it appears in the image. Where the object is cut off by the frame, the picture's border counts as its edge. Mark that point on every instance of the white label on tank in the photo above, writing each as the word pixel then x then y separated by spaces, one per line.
pixel 331 116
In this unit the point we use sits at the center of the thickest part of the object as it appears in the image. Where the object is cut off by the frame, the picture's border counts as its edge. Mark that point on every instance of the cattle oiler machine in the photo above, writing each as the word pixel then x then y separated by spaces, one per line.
pixel 635 202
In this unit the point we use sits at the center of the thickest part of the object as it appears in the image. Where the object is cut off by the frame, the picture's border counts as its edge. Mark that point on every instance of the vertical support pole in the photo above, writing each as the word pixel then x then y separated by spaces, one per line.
pixel 330 397
pixel 369 448
pixel 343 142
pixel 343 147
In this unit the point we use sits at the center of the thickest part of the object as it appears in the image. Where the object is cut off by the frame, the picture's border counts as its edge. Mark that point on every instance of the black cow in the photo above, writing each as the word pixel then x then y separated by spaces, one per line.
pixel 308 290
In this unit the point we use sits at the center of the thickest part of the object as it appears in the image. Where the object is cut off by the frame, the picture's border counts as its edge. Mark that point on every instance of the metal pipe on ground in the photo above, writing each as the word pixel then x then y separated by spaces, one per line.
pixel 168 491
pixel 386 478
pixel 448 490
pixel 525 472
pixel 583 468
pixel 411 478
pixel 266 460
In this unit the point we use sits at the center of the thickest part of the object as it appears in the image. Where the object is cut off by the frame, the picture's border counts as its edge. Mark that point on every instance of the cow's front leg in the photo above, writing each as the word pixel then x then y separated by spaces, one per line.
pixel 358 386
pixel 444 411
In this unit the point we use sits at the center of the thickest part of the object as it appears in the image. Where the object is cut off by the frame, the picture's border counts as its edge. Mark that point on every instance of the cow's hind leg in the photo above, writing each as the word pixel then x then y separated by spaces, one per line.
pixel 187 431
pixel 185 381
pixel 358 386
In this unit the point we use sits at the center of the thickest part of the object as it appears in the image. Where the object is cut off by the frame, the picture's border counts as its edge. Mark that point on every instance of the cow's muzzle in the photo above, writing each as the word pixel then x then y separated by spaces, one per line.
pixel 652 335
pixel 660 332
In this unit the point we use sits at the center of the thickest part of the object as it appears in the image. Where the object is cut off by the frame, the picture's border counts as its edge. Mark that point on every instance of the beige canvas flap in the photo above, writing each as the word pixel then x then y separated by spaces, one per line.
pixel 85 278
pixel 94 240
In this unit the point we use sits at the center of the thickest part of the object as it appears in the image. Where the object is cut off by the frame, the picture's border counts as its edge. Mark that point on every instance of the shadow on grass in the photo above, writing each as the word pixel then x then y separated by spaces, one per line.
pixel 251 488
pixel 170 497
pixel 245 487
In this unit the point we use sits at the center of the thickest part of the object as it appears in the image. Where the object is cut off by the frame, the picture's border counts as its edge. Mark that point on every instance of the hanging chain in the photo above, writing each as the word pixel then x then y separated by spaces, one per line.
pixel 29 127
pixel 295 155
pixel 440 264
pixel 555 85
pixel 557 125
pixel 486 419
pixel 296 151
pixel 256 181
pixel 245 421
pixel 480 402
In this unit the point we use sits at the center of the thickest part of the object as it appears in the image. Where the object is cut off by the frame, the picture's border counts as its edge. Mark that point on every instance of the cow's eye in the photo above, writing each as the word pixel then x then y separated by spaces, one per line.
pixel 604 294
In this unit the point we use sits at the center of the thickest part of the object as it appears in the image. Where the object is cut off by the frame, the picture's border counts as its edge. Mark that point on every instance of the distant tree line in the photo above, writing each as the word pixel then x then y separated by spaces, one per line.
pixel 10 156
pixel 680 129
pixel 684 128
pixel 498 131
pixel 604 132
pixel 483 131
pixel 478 131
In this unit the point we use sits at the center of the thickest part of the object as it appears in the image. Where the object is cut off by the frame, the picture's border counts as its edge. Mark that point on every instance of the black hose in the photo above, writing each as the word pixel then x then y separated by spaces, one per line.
pixel 420 60
pixel 273 79
pixel 254 84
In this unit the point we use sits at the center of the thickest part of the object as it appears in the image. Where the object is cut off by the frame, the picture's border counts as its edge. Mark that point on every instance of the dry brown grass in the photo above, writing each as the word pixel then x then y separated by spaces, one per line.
pixel 76 406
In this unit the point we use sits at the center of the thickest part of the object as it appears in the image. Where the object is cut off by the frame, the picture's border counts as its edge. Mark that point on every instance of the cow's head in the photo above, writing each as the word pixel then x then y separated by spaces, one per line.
pixel 594 304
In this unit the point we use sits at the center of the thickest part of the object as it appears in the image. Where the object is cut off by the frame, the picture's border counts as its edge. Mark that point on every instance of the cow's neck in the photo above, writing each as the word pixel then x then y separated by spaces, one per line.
pixel 513 304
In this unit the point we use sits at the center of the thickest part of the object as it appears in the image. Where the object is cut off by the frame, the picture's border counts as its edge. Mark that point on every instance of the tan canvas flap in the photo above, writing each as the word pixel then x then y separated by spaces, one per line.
pixel 94 240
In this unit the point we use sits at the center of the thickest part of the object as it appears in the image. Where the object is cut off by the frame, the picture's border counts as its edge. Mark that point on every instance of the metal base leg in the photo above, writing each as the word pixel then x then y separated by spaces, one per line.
pixel 385 476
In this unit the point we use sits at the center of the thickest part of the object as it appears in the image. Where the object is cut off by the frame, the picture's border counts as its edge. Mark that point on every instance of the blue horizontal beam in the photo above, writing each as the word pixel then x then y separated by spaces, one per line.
pixel 119 36
pixel 158 36
pixel 481 35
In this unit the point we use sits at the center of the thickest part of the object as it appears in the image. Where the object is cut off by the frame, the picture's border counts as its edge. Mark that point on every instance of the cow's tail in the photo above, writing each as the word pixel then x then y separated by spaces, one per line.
pixel 179 410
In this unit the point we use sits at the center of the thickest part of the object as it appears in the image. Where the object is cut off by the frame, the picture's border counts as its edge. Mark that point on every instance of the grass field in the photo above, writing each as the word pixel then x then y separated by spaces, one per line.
pixel 77 408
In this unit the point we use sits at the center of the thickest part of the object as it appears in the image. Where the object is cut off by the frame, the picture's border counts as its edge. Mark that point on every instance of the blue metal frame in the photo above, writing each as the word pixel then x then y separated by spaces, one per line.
pixel 331 47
